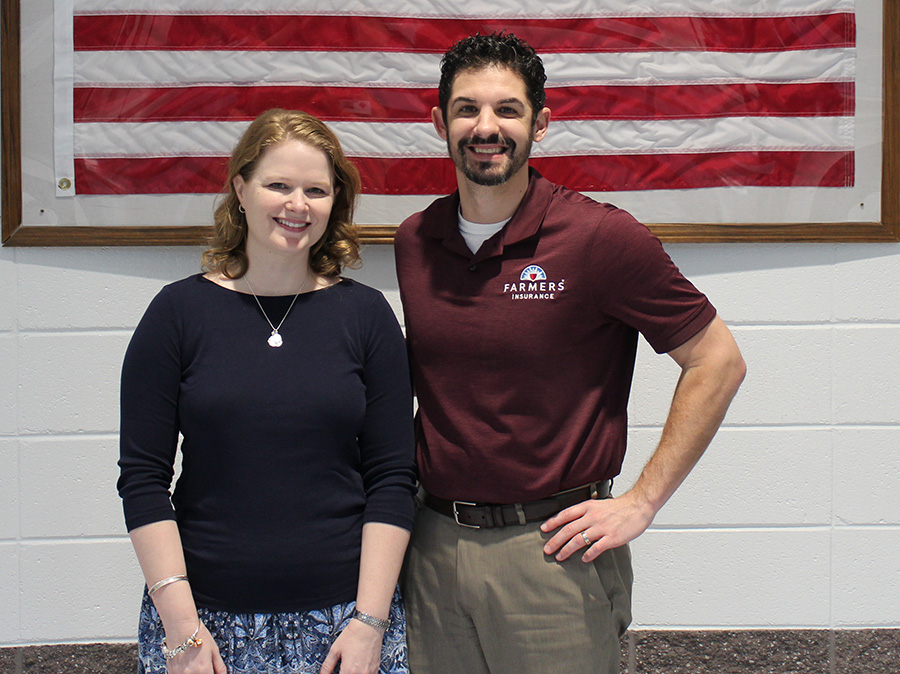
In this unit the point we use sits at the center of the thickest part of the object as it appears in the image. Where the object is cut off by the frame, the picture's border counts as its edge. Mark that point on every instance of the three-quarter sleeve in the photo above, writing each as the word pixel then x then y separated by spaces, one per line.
pixel 386 442
pixel 148 436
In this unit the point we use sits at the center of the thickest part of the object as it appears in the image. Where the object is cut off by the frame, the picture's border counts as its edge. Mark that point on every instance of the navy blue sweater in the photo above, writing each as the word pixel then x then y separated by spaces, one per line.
pixel 286 452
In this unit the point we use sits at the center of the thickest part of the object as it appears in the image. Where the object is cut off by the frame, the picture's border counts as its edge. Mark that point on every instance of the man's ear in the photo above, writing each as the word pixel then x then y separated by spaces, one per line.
pixel 541 122
pixel 437 118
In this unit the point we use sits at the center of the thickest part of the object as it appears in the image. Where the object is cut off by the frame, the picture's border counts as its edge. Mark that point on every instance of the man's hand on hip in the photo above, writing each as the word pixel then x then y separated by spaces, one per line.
pixel 595 526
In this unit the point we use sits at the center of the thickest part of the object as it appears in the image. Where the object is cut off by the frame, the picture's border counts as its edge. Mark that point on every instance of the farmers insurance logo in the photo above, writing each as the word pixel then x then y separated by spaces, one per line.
pixel 534 285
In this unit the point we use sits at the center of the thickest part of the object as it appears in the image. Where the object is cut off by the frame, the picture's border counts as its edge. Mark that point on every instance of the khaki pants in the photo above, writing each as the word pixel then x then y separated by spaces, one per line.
pixel 489 601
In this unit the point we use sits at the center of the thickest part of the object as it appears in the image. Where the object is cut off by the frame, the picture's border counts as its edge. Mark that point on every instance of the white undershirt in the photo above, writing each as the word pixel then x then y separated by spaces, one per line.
pixel 476 233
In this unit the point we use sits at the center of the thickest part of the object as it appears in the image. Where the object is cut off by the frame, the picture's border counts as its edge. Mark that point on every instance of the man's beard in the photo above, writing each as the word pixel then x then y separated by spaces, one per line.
pixel 488 174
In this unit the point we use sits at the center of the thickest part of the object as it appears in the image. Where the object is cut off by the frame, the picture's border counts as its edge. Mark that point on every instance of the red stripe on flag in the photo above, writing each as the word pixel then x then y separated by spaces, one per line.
pixel 688 171
pixel 366 33
pixel 815 99
pixel 437 176
pixel 629 172
pixel 159 175
pixel 236 103
pixel 244 103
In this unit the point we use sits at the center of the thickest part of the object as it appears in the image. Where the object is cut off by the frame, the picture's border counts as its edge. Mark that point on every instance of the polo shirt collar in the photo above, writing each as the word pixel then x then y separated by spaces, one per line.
pixel 525 222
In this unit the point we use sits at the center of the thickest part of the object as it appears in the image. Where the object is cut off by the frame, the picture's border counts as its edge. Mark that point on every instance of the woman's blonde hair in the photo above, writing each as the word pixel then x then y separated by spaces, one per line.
pixel 339 245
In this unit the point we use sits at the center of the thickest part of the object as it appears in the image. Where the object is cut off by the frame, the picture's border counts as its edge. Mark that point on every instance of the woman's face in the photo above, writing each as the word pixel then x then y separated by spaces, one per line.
pixel 287 199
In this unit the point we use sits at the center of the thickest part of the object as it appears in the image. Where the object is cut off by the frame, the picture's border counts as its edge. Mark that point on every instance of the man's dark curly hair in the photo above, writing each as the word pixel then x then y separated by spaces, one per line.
pixel 497 49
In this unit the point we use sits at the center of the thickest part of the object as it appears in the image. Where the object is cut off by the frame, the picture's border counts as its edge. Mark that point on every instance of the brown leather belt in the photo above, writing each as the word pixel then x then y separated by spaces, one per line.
pixel 491 515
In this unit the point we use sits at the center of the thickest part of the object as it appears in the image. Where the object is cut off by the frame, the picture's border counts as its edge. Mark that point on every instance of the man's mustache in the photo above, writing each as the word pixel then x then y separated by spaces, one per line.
pixel 490 140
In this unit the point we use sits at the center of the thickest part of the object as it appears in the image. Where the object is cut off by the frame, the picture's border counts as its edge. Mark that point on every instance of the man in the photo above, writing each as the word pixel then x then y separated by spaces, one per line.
pixel 523 301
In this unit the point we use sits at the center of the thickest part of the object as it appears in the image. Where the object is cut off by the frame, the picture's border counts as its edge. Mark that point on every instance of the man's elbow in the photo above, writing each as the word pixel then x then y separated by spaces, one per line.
pixel 734 368
pixel 725 356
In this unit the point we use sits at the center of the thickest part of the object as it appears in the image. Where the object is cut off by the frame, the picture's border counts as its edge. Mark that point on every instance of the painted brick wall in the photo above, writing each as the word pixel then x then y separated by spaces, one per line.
pixel 792 520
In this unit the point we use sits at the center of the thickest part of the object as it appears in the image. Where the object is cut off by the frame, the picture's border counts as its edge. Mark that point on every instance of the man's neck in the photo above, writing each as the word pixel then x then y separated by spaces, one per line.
pixel 483 204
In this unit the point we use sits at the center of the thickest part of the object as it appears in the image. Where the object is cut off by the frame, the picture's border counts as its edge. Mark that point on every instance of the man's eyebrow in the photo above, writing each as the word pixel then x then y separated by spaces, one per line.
pixel 505 101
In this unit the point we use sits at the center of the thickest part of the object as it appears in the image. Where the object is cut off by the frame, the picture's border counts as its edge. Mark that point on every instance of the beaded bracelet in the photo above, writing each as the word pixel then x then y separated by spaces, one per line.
pixel 192 641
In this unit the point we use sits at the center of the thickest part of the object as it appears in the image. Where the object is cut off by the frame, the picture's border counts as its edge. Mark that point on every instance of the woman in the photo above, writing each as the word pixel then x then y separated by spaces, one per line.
pixel 280 548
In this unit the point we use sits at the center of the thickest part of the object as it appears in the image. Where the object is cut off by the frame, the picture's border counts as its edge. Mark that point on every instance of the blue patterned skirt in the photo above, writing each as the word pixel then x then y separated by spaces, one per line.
pixel 273 643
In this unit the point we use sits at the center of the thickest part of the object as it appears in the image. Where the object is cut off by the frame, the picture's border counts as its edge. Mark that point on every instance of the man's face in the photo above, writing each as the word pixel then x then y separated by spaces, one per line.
pixel 490 126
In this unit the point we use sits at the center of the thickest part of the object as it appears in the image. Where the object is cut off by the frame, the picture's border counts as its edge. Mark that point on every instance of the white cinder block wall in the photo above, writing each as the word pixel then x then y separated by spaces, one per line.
pixel 792 520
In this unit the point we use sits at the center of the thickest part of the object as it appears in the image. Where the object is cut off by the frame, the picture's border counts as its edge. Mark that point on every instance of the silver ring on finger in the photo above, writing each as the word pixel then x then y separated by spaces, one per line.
pixel 587 541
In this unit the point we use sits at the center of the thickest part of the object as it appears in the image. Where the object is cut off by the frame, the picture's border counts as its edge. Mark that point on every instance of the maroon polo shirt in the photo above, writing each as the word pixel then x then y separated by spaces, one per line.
pixel 523 353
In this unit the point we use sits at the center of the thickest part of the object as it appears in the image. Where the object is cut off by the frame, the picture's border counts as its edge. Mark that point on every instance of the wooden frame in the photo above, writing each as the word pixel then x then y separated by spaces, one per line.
pixel 15 233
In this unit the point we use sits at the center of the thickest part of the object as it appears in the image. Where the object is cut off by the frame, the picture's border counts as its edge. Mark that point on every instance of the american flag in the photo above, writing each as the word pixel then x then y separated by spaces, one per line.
pixel 686 94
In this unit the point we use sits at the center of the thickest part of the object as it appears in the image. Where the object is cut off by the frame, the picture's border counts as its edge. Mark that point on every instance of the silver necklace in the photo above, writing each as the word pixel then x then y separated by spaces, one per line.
pixel 275 339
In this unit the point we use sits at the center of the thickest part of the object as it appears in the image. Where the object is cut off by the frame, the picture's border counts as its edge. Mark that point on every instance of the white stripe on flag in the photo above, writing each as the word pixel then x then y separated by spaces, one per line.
pixel 182 68
pixel 470 8
pixel 574 137
pixel 693 67
pixel 392 69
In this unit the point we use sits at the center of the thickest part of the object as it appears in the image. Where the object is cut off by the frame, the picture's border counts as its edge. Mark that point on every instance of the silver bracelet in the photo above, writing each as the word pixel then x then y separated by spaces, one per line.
pixel 192 641
pixel 371 620
pixel 165 581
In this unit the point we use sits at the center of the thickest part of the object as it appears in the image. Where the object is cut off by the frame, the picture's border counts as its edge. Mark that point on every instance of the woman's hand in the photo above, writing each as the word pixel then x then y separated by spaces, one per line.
pixel 158 548
pixel 204 659
pixel 357 649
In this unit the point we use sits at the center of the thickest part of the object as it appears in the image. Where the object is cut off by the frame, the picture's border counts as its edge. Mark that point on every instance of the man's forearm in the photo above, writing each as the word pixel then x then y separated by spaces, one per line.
pixel 712 372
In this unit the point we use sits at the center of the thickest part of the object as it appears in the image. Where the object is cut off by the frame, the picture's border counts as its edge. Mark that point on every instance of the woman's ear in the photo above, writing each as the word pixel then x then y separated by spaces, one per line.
pixel 238 183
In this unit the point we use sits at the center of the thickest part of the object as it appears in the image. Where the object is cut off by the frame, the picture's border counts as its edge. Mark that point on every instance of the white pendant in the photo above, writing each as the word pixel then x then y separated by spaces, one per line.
pixel 275 340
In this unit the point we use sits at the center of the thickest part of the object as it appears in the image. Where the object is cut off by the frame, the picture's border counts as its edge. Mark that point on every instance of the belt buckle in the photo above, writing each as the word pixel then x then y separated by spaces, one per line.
pixel 456 514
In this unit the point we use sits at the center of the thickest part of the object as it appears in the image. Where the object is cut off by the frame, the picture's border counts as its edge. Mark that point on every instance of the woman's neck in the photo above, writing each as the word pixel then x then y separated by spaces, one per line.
pixel 267 279
pixel 274 278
